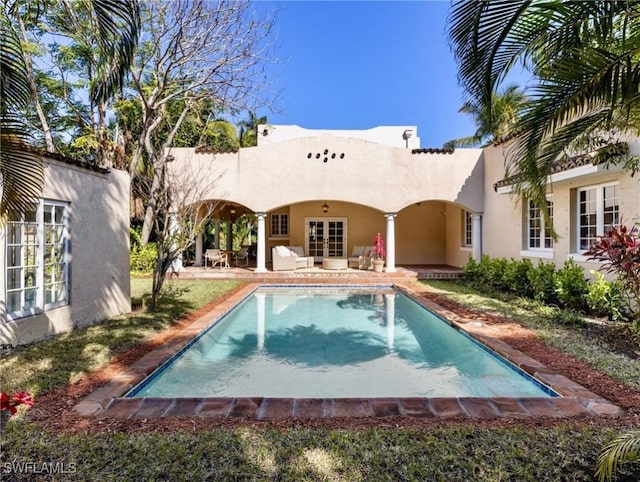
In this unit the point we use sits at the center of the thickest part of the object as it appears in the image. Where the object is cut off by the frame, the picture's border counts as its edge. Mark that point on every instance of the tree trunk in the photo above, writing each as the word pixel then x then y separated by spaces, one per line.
pixel 46 130
pixel 150 213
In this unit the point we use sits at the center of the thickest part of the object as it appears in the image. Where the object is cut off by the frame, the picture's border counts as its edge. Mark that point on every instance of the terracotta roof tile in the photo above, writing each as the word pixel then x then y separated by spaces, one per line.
pixel 565 163
pixel 433 150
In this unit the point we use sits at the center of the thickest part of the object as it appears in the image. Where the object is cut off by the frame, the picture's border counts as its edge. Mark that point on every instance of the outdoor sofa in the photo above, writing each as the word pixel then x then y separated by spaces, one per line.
pixel 289 258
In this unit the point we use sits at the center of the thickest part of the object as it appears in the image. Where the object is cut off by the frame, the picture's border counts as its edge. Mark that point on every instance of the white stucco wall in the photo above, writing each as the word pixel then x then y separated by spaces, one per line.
pixel 99 252
pixel 393 136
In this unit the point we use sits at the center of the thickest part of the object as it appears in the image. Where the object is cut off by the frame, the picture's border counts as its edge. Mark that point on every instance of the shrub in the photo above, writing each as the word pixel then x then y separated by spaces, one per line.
pixel 543 283
pixel 605 298
pixel 571 286
pixel 472 271
pixel 517 277
pixel 496 269
pixel 143 259
pixel 135 240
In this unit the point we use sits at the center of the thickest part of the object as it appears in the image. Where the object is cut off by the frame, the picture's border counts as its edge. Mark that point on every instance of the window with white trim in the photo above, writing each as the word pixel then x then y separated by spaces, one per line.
pixel 280 224
pixel 467 229
pixel 539 233
pixel 598 210
pixel 37 260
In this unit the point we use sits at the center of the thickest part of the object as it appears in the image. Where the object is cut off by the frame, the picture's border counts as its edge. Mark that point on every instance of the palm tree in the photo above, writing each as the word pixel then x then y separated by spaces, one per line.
pixel 495 123
pixel 249 129
pixel 21 175
pixel 584 56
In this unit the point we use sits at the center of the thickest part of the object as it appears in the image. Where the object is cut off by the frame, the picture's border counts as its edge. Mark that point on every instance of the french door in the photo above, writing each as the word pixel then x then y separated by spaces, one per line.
pixel 326 237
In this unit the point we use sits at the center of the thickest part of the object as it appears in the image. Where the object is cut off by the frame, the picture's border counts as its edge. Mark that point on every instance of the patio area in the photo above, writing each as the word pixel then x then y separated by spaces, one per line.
pixel 408 272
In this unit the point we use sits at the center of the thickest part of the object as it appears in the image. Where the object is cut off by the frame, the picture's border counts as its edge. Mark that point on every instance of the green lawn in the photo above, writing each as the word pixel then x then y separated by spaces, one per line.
pixel 460 453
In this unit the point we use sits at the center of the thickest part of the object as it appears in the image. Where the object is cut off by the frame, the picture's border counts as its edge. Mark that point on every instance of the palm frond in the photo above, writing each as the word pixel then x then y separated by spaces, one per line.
pixel 118 28
pixel 14 84
pixel 21 173
pixel 584 55
pixel 21 176
pixel 625 448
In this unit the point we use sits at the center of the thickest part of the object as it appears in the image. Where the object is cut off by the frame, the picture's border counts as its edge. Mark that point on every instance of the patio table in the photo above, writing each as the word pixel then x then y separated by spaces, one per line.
pixel 334 263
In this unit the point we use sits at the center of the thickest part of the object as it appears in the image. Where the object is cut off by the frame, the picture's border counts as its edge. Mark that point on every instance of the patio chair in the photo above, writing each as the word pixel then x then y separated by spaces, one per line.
pixel 215 257
pixel 242 255
pixel 360 257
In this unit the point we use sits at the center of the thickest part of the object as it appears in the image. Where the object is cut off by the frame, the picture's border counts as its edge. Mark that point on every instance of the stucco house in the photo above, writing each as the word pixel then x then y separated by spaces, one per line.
pixel 330 190
pixel 66 264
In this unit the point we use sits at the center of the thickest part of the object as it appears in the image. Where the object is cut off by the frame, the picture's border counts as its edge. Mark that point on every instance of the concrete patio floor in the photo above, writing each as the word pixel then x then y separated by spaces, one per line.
pixel 402 272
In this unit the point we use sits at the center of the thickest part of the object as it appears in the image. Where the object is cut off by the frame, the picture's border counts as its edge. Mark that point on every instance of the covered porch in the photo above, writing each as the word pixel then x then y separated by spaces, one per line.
pixel 327 192
pixel 425 234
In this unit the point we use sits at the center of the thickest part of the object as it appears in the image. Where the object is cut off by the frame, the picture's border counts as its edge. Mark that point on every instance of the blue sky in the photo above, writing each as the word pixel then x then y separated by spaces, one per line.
pixel 360 64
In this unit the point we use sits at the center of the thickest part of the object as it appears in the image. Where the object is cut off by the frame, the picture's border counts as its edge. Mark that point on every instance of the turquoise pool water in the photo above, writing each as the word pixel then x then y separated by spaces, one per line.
pixel 335 343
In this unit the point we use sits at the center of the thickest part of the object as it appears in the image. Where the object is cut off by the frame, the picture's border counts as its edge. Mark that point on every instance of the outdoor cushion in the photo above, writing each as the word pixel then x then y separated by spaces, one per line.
pixel 299 250
pixel 283 251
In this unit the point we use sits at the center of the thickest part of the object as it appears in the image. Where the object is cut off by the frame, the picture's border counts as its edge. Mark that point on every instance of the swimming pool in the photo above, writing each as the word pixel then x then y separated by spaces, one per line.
pixel 330 342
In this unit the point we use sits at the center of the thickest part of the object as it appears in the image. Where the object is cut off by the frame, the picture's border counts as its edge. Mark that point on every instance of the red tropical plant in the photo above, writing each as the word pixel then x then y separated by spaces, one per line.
pixel 619 251
pixel 378 251
pixel 17 399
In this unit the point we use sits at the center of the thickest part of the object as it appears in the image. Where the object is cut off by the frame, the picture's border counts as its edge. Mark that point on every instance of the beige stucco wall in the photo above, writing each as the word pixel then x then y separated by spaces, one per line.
pixel 420 229
pixel 99 252
pixel 384 178
pixel 502 216
pixel 504 219
pixel 456 253
pixel 421 234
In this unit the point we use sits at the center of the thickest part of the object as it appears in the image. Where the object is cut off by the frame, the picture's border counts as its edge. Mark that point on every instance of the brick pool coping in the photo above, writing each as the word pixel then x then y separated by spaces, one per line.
pixel 575 400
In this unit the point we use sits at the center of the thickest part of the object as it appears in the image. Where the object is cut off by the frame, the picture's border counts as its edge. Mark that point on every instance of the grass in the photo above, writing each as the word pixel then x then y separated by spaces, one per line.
pixel 559 329
pixel 387 454
pixel 449 453
pixel 55 362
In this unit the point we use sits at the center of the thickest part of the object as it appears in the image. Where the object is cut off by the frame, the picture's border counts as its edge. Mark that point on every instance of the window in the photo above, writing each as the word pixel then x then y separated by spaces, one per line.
pixel 598 210
pixel 37 268
pixel 467 229
pixel 539 235
pixel 279 225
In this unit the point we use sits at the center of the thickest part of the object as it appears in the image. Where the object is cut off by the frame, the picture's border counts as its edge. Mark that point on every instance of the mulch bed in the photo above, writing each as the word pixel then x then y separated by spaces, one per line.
pixel 54 410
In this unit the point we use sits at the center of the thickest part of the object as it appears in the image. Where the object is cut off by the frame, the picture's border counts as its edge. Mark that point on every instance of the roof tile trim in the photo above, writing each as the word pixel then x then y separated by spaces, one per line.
pixel 68 160
pixel 433 150
pixel 600 156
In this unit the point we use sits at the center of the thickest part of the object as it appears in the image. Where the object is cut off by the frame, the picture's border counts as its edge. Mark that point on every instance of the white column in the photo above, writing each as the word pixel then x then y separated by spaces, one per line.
pixel 262 241
pixel 391 243
pixel 198 261
pixel 391 319
pixel 260 300
pixel 476 236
